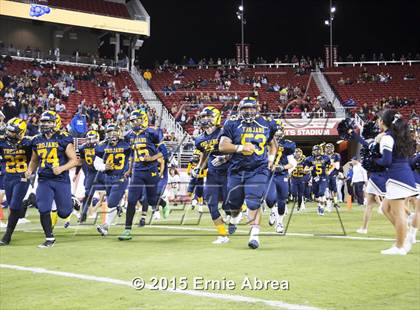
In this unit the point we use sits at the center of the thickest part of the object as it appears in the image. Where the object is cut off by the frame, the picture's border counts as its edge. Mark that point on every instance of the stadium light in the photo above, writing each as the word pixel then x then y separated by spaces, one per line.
pixel 332 10
pixel 327 22
pixel 240 16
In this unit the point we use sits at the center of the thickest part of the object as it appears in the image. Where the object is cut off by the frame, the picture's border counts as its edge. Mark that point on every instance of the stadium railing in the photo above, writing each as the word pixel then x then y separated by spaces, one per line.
pixel 62 59
pixel 378 63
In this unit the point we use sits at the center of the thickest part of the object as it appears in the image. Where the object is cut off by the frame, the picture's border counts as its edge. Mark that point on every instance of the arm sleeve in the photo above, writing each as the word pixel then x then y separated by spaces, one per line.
pixel 386 158
pixel 99 164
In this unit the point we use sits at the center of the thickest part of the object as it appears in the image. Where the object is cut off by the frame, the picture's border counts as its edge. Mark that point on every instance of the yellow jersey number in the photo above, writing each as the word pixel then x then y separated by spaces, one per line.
pixel 259 138
pixel 140 152
pixel 116 161
pixel 318 169
pixel 16 164
pixel 48 157
pixel 89 155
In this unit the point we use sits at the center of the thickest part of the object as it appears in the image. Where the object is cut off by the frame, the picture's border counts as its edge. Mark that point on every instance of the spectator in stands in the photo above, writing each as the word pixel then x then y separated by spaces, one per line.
pixel 60 107
pixel 78 125
pixel 147 75
pixel 409 77
pixel 126 93
pixel 182 118
pixel 414 115
pixel 33 124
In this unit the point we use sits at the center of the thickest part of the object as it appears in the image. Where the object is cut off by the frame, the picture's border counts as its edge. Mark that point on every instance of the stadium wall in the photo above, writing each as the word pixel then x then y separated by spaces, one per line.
pixel 22 33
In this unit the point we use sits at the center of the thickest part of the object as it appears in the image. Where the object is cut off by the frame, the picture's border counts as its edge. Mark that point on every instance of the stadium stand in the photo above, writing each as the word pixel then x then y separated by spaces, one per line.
pixel 223 88
pixel 99 7
pixel 363 85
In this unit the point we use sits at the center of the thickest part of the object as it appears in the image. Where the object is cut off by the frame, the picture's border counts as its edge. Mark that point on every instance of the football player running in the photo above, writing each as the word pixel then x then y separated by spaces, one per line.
pixel 16 151
pixel 215 186
pixel 94 180
pixel 298 182
pixel 112 157
pixel 249 137
pixel 143 169
pixel 53 155
pixel 319 165
pixel 278 185
pixel 335 159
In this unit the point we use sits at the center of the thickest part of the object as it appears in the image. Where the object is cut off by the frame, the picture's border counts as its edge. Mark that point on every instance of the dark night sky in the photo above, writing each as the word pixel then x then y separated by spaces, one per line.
pixel 209 28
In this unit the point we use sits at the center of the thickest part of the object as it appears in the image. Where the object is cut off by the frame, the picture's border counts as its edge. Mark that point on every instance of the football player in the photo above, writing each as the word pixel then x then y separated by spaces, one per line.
pixel 215 187
pixel 249 137
pixel 195 187
pixel 278 185
pixel 163 160
pixel 112 156
pixel 94 180
pixel 143 169
pixel 16 151
pixel 332 174
pixel 298 183
pixel 2 168
pixel 54 155
pixel 319 165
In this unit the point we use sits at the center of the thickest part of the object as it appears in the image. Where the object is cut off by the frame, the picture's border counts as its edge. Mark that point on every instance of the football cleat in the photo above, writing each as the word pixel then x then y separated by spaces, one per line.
pixel 142 222
pixel 23 221
pixel 273 216
pixel 102 230
pixel 279 228
pixel 47 244
pixel 126 235
pixel 4 242
pixel 119 211
pixel 166 210
pixel 156 215
pixel 66 224
pixel 394 251
pixel 236 220
pixel 221 240
pixel 200 208
pixel 253 244
pixel 362 231
pixel 320 211
pixel 231 229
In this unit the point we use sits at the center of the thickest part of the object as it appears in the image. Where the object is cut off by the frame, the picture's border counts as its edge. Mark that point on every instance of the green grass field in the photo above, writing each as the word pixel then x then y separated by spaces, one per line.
pixel 322 272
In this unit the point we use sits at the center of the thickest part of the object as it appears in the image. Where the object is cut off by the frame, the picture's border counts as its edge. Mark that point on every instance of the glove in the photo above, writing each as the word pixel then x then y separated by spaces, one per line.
pixel 219 160
pixel 195 172
pixel 279 169
pixel 316 179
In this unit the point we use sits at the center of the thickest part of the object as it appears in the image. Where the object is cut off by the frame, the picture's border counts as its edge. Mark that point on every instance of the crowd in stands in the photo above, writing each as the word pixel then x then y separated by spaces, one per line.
pixel 28 93
pixel 380 57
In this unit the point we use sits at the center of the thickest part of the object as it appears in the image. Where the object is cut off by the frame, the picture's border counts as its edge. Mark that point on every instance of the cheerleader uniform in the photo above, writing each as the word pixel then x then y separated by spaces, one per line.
pixel 377 180
pixel 400 182
pixel 415 165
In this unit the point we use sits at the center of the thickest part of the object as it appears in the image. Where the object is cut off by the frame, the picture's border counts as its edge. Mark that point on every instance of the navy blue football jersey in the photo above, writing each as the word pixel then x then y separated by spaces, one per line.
pixel 87 153
pixel 144 143
pixel 117 156
pixel 285 149
pixel 51 153
pixel 260 133
pixel 15 158
pixel 320 165
pixel 333 159
pixel 163 149
pixel 299 171
pixel 209 144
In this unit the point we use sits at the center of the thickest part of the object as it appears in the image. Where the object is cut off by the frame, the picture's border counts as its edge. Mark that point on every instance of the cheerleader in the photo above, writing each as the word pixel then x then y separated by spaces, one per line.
pixel 415 165
pixel 396 146
pixel 375 189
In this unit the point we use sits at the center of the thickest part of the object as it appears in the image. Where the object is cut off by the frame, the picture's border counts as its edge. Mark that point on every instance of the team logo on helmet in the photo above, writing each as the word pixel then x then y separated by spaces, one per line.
pixel 15 130
pixel 139 120
pixel 92 137
pixel 210 116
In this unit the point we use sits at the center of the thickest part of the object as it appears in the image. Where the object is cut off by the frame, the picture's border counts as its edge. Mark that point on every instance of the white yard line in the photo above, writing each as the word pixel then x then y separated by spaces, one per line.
pixel 227 297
